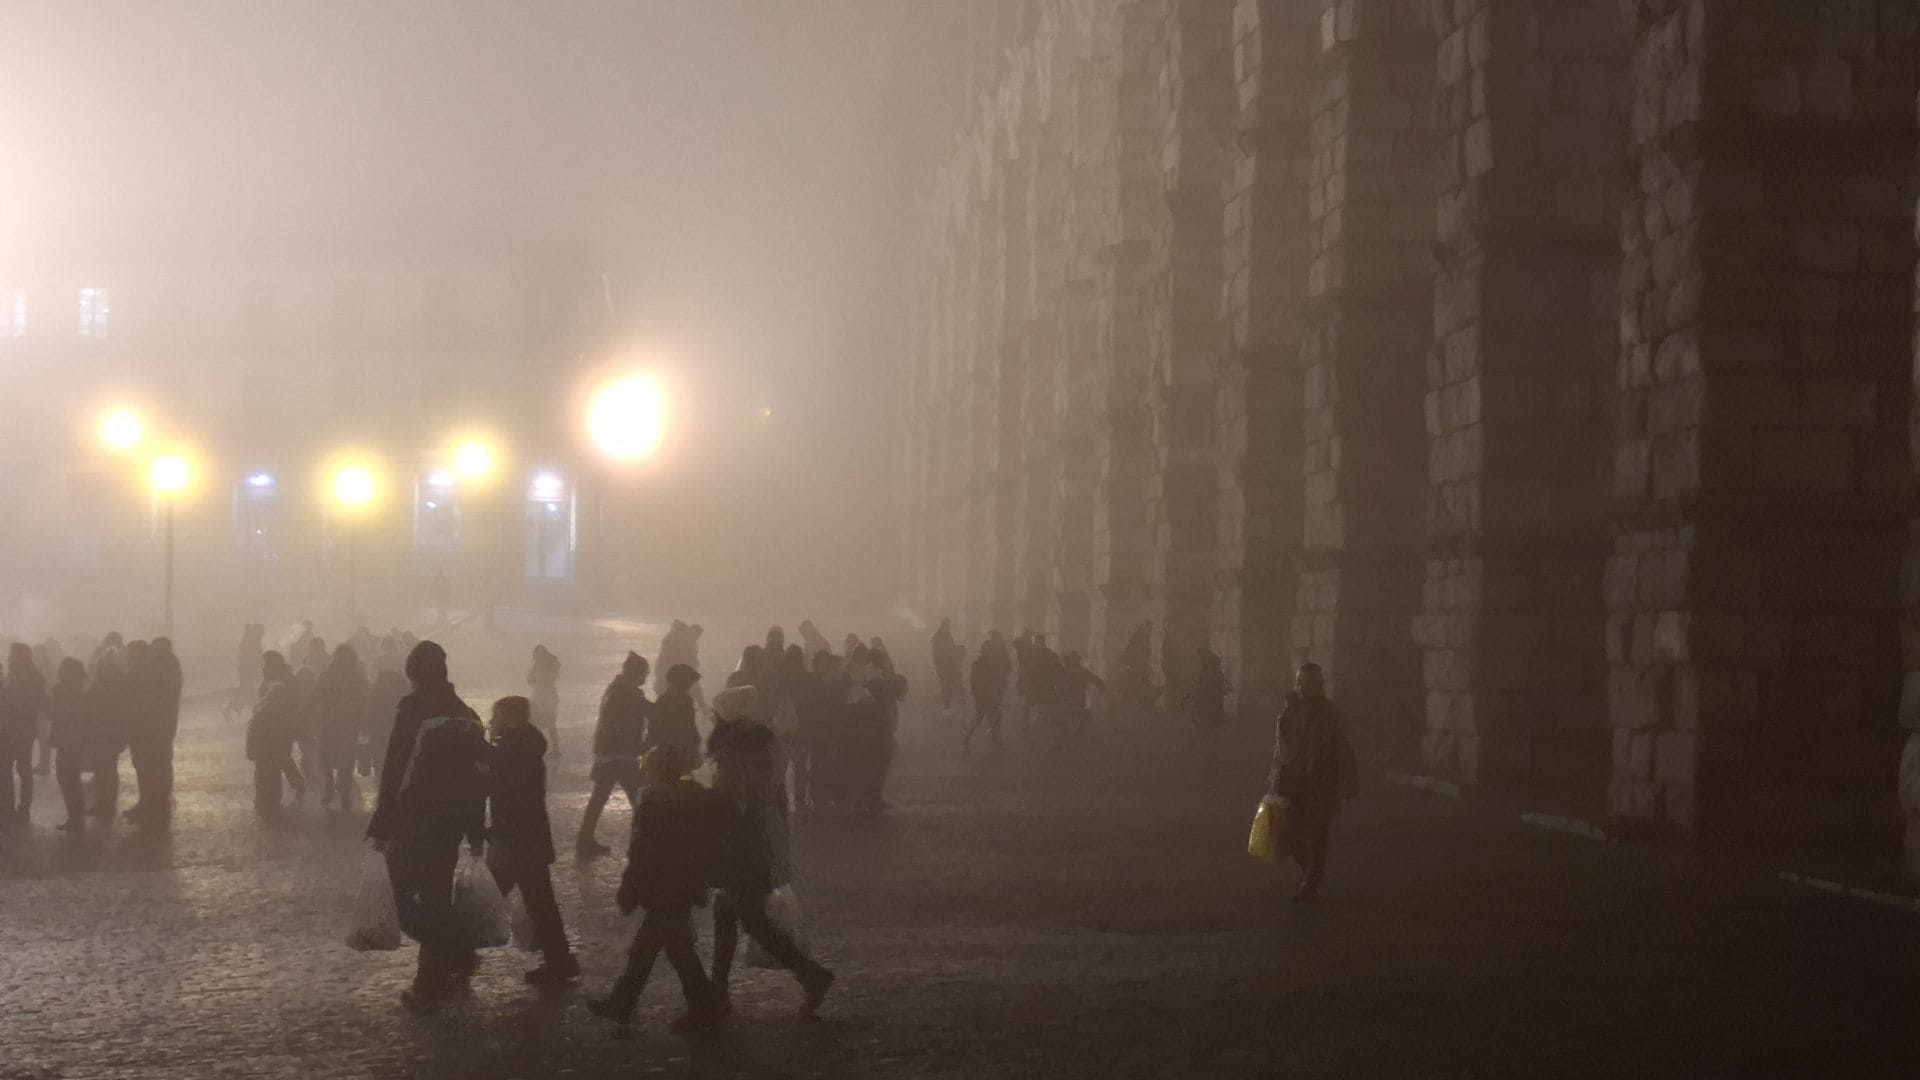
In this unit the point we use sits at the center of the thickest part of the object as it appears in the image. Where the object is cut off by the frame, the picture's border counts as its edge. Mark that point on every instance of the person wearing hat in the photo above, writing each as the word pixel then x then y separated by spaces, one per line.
pixel 433 794
pixel 670 722
pixel 676 838
pixel 619 738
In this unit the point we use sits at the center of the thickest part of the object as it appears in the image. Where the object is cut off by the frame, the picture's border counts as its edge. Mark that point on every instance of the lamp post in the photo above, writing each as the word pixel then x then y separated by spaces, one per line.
pixel 170 476
pixel 353 489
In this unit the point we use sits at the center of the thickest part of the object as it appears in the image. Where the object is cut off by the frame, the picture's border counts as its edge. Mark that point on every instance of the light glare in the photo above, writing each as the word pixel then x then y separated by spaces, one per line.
pixel 353 486
pixel 474 461
pixel 626 417
pixel 122 430
pixel 171 474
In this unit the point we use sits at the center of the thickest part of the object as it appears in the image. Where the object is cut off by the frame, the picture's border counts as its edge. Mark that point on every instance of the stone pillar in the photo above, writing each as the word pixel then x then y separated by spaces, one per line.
pixel 1370 296
pixel 1199 108
pixel 1258 398
pixel 1531 154
pixel 1123 537
pixel 1762 455
pixel 1009 471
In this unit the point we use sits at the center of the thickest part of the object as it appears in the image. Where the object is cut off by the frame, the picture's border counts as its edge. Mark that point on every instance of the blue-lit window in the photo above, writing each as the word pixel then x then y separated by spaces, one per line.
pixel 550 539
pixel 93 313
pixel 436 512
pixel 256 516
pixel 14 314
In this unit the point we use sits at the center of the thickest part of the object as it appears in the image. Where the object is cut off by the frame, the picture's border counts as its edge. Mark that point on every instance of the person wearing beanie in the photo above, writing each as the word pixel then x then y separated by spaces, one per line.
pixel 519 836
pixel 619 738
pixel 433 794
pixel 671 722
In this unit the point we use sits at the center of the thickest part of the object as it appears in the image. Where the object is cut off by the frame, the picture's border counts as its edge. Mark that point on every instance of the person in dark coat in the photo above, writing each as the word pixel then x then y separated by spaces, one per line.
pixel 988 679
pixel 156 724
pixel 755 857
pixel 246 668
pixel 670 859
pixel 433 795
pixel 21 703
pixel 383 700
pixel 519 836
pixel 670 721
pixel 619 738
pixel 340 702
pixel 1206 702
pixel 108 701
pixel 948 655
pixel 1314 769
pixel 270 733
pixel 543 692
pixel 72 736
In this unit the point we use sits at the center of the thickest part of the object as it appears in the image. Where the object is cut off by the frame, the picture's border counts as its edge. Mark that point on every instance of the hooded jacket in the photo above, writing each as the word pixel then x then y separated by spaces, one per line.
pixel 520 834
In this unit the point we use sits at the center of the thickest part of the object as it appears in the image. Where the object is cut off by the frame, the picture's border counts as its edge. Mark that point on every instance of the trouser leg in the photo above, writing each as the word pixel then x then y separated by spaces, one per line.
pixel 657 927
pixel 422 877
pixel 543 910
pixel 68 765
pixel 106 785
pixel 679 947
pixel 596 802
pixel 726 939
pixel 778 943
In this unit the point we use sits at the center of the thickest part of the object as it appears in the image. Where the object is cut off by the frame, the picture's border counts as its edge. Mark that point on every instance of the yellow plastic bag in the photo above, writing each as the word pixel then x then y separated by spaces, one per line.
pixel 1269 826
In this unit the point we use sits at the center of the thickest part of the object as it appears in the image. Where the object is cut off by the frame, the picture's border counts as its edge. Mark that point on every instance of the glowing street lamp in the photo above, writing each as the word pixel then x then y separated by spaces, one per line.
pixel 625 418
pixel 121 430
pixel 473 461
pixel 169 475
pixel 354 488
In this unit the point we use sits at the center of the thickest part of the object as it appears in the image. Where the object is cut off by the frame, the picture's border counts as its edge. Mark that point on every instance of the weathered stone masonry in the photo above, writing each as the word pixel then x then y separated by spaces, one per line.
pixel 1541 367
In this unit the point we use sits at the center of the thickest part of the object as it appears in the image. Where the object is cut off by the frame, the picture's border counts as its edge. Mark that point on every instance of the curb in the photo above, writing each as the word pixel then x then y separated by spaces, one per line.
pixel 1589 831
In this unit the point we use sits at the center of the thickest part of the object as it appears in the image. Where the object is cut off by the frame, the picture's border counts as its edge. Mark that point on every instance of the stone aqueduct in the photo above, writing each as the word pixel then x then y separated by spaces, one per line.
pixel 1541 367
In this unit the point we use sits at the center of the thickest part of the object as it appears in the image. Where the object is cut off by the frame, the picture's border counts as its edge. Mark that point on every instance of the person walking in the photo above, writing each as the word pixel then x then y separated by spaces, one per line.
pixel 73 736
pixel 340 703
pixel 948 656
pixel 270 732
pixel 519 836
pixel 1315 770
pixel 543 692
pixel 755 859
pixel 988 680
pixel 22 702
pixel 1206 703
pixel 670 722
pixel 619 738
pixel 246 671
pixel 671 856
pixel 433 795
pixel 155 693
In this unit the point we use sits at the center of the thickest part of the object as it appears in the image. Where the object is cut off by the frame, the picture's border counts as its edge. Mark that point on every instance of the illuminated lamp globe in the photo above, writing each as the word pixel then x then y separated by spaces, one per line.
pixel 121 430
pixel 626 417
pixel 353 487
pixel 473 461
pixel 171 474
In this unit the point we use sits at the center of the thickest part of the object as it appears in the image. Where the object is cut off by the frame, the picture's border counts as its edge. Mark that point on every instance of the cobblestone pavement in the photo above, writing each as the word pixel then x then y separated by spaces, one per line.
pixel 1088 915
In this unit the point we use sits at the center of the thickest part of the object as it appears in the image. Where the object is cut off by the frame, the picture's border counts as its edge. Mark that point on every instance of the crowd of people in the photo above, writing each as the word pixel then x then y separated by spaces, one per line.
pixel 75 719
pixel 446 780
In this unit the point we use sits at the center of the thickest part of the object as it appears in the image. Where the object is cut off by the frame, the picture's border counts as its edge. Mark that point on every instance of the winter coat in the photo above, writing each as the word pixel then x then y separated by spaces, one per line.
pixel 622 728
pixel 755 853
pixel 383 701
pixel 161 694
pixel 1313 761
pixel 433 787
pixel 21 702
pixel 271 729
pixel 990 671
pixel 676 847
pixel 670 723
pixel 72 721
pixel 518 833
pixel 340 713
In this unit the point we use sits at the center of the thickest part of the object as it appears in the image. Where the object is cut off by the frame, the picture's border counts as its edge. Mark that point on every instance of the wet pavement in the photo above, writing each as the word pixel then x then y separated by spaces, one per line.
pixel 1090 914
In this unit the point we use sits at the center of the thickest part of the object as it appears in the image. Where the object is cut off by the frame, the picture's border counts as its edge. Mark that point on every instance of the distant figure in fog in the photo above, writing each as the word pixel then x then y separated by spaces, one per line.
pixel 813 640
pixel 619 738
pixel 442 596
pixel 776 643
pixel 948 655
pixel 543 694
pixel 988 679
pixel 670 721
pixel 1072 714
pixel 433 795
pixel 852 645
pixel 1206 702
pixel 389 686
pixel 74 737
pixel 270 733
pixel 674 845
pixel 47 657
pixel 155 724
pixel 246 667
pixel 1315 770
pixel 680 646
pixel 519 836
pixel 1135 689
pixel 340 716
pixel 22 703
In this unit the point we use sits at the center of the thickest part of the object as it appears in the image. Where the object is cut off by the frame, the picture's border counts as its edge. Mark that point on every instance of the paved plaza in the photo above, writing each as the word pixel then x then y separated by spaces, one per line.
pixel 1088 914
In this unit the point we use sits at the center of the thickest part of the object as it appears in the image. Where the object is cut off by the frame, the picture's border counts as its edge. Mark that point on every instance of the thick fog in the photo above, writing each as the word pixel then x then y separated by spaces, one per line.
pixel 732 161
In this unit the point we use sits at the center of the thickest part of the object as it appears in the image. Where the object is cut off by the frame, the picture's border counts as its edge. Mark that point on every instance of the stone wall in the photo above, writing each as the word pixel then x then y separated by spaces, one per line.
pixel 1540 367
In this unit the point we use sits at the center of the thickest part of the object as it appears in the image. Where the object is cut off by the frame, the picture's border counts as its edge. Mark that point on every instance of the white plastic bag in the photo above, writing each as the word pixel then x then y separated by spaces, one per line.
pixel 524 937
pixel 783 911
pixel 478 908
pixel 376 922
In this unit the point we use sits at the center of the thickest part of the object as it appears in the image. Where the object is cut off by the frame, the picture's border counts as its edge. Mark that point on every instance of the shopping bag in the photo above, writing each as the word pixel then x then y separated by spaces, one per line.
pixel 524 937
pixel 376 922
pixel 478 908
pixel 1269 828
pixel 783 911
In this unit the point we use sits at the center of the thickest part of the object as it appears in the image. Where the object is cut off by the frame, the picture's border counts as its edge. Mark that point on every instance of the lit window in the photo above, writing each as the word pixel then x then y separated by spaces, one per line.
pixel 15 315
pixel 93 313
